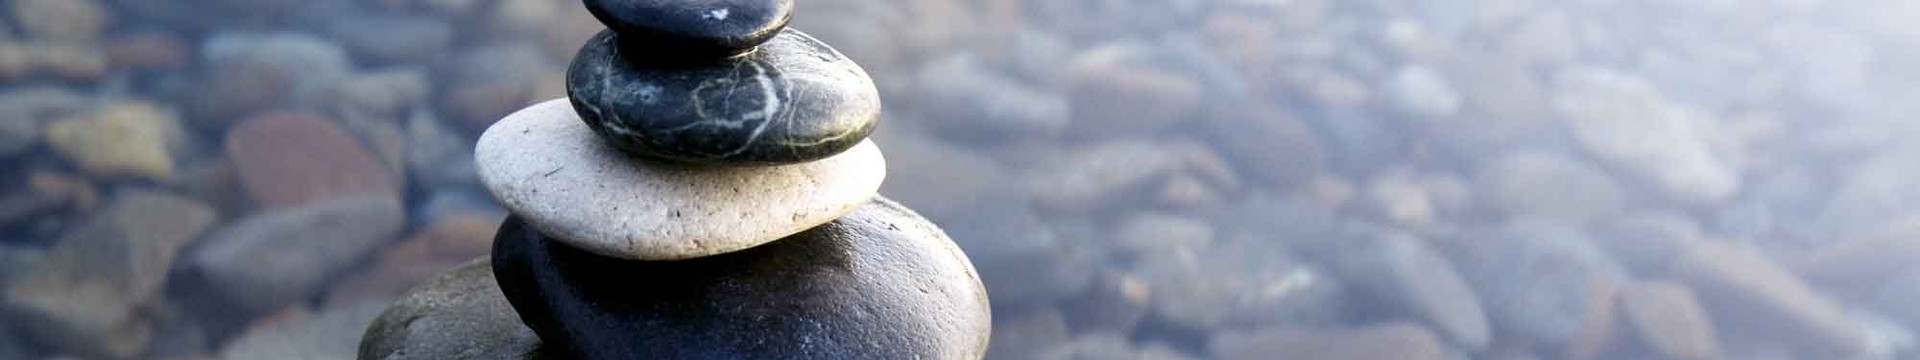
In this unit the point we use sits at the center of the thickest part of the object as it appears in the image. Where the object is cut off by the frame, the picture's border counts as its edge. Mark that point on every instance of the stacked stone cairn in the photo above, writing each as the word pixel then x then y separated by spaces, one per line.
pixel 706 192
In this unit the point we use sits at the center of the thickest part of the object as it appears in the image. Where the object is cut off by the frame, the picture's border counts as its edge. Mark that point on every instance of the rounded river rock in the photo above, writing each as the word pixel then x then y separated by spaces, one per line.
pixel 459 315
pixel 880 283
pixel 709 28
pixel 544 165
pixel 794 100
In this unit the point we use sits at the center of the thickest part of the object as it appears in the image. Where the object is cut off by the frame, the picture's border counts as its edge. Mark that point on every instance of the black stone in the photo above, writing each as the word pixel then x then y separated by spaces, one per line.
pixel 880 283
pixel 794 100
pixel 710 28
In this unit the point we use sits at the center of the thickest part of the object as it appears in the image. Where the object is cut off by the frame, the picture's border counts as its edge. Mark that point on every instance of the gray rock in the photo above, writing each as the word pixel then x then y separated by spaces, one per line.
pixel 1745 290
pixel 1271 145
pixel 88 297
pixel 1647 243
pixel 1882 189
pixel 1419 91
pixel 1541 282
pixel 1211 288
pixel 1152 233
pixel 1116 304
pixel 438 157
pixel 1095 176
pixel 1387 341
pixel 1899 298
pixel 274 258
pixel 964 101
pixel 1406 273
pixel 12 346
pixel 381 39
pixel 1023 260
pixel 458 315
pixel 1625 121
pixel 1111 97
pixel 1107 346
pixel 1545 185
pixel 939 179
pixel 387 95
pixel 308 65
pixel 546 166
pixel 482 84
pixel 24 111
pixel 1026 334
pixel 331 334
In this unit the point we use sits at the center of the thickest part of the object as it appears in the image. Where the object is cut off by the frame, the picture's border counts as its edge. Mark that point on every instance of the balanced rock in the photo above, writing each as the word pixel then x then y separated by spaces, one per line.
pixel 550 170
pixel 880 283
pixel 694 29
pixel 793 100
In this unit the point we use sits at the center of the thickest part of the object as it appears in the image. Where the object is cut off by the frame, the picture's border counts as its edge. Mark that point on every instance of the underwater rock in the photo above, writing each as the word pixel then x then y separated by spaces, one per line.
pixel 1669 320
pixel 127 139
pixel 1390 341
pixel 278 257
pixel 459 315
pixel 292 159
pixel 89 295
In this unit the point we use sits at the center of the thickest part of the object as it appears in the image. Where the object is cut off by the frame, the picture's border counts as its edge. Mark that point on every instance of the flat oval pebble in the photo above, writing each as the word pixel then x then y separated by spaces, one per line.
pixel 547 167
pixel 880 283
pixel 694 28
pixel 794 100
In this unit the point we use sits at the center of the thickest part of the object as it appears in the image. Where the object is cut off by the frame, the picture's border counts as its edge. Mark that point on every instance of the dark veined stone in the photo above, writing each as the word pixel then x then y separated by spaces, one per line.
pixel 712 28
pixel 794 100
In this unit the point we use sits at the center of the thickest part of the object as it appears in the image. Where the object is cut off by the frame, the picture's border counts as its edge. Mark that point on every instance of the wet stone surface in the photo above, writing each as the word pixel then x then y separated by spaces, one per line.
pixel 544 165
pixel 694 29
pixel 880 283
pixel 793 100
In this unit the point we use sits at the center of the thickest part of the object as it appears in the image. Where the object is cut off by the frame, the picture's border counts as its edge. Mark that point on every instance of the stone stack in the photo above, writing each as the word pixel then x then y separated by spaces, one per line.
pixel 706 192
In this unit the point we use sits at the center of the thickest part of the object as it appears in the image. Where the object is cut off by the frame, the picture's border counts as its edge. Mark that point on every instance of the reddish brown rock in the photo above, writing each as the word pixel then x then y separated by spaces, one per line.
pixel 1598 331
pixel 1382 342
pixel 1746 290
pixel 148 51
pixel 449 242
pixel 292 159
pixel 1669 321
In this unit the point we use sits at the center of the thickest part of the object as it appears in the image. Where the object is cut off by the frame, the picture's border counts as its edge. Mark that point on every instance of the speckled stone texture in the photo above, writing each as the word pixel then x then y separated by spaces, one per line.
pixel 544 165
pixel 459 315
pixel 709 28
pixel 793 100
pixel 880 283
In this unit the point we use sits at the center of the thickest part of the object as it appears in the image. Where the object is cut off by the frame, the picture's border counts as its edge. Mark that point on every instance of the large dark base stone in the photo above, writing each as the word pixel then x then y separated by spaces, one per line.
pixel 792 100
pixel 459 315
pixel 880 283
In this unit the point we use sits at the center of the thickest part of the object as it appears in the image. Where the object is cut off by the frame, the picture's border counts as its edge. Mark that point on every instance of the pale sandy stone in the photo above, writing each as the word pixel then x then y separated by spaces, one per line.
pixel 546 166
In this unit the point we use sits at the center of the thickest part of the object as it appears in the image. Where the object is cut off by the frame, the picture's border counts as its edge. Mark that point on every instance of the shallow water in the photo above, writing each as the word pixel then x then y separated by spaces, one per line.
pixel 1151 179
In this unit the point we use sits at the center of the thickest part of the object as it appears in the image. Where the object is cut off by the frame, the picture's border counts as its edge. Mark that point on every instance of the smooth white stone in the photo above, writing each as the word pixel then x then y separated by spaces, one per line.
pixel 546 166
